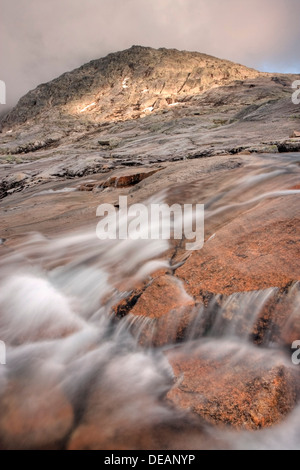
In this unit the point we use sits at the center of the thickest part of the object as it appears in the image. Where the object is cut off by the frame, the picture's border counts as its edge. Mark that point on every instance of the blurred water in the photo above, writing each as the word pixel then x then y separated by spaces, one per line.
pixel 62 339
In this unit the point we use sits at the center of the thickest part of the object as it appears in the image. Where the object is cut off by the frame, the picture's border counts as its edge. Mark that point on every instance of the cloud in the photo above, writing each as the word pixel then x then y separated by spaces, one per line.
pixel 40 40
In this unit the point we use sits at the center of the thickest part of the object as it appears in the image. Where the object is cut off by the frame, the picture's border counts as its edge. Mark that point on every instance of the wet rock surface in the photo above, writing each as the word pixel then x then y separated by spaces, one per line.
pixel 243 390
pixel 34 417
pixel 163 312
pixel 242 255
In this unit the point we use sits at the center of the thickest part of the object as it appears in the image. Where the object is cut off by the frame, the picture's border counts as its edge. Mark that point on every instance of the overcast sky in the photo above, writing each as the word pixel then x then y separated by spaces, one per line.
pixel 40 39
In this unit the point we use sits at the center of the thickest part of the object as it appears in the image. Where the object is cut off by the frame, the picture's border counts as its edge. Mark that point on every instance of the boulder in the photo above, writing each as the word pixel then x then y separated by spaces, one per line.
pixel 256 250
pixel 242 386
pixel 159 314
pixel 130 179
pixel 33 416
pixel 177 433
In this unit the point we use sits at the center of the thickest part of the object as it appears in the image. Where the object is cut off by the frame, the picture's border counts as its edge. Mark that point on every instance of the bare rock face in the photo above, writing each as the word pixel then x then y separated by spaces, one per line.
pixel 172 295
pixel 128 84
pixel 120 179
pixel 163 312
pixel 180 433
pixel 244 389
pixel 280 321
pixel 130 179
pixel 191 106
pixel 242 255
pixel 137 419
pixel 13 182
pixel 34 416
pixel 242 278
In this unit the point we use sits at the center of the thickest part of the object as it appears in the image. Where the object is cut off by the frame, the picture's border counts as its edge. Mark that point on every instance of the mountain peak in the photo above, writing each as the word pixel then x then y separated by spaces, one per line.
pixel 127 85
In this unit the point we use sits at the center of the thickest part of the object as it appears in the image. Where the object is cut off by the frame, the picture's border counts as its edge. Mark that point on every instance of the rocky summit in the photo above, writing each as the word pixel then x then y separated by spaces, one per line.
pixel 145 106
pixel 150 346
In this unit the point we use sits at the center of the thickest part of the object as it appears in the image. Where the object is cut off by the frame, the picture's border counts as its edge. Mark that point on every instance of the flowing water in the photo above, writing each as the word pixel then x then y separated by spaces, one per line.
pixel 76 373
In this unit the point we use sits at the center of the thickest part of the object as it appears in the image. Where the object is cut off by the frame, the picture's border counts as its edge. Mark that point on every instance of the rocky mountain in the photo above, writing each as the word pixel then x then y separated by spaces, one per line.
pixel 127 85
pixel 170 104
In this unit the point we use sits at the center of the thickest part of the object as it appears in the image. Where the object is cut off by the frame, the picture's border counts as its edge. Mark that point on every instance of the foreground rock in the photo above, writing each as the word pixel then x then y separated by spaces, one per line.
pixel 178 433
pixel 244 388
pixel 122 413
pixel 279 321
pixel 162 313
pixel 257 250
pixel 240 282
pixel 34 416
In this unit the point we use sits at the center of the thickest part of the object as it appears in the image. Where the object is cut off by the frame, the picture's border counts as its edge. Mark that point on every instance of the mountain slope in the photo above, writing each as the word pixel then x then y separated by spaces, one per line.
pixel 143 107
pixel 128 84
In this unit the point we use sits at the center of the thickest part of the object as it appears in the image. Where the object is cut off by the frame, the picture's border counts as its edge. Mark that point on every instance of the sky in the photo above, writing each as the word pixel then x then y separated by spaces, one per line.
pixel 41 39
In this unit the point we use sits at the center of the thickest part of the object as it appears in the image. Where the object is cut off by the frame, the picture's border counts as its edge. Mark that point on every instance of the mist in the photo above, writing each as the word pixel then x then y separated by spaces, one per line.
pixel 41 40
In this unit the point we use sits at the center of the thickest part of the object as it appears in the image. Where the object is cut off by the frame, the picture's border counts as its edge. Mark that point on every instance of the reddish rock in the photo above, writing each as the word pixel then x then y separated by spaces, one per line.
pixel 165 292
pixel 125 305
pixel 161 313
pixel 178 433
pixel 120 180
pixel 284 321
pixel 34 416
pixel 248 390
pixel 256 250
pixel 133 416
pixel 266 316
pixel 130 179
